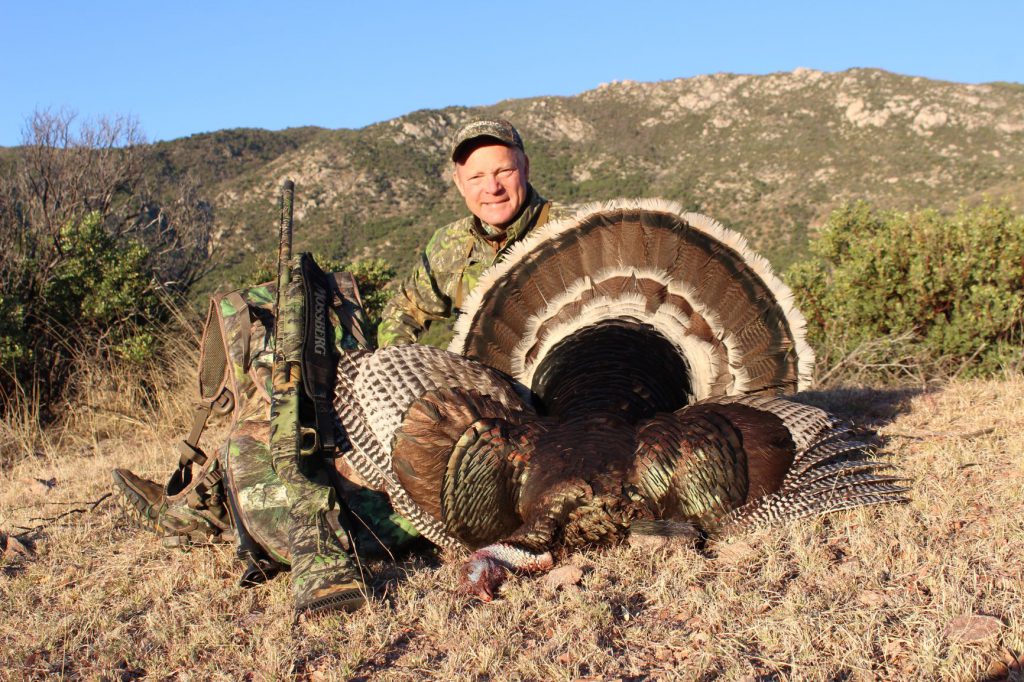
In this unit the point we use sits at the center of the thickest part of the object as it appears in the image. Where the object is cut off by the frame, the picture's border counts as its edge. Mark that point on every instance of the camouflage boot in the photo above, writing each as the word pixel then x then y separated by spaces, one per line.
pixel 177 523
pixel 324 577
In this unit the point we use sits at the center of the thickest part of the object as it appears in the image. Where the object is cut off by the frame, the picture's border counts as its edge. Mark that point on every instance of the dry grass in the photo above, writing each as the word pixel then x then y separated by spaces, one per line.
pixel 869 594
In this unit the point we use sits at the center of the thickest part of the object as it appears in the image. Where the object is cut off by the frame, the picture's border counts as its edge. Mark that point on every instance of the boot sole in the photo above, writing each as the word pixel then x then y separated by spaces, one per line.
pixel 347 601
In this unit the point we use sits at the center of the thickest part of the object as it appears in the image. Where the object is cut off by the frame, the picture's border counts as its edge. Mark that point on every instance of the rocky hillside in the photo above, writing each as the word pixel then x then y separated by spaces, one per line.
pixel 768 155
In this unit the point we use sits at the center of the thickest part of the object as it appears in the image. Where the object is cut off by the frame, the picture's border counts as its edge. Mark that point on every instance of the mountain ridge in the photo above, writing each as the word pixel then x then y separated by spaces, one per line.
pixel 769 155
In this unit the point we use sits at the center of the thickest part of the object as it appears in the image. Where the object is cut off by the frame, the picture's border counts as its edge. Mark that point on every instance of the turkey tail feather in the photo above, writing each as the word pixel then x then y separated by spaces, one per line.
pixel 656 271
pixel 835 472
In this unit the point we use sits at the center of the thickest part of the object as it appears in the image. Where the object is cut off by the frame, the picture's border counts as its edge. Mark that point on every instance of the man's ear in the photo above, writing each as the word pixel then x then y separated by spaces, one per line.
pixel 526 167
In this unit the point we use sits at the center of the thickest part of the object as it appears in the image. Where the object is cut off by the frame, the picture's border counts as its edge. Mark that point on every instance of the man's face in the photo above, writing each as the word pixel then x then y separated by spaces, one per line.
pixel 492 180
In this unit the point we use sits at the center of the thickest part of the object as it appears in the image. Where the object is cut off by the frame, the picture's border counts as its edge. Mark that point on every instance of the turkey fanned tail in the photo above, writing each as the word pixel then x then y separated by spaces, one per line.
pixel 638 305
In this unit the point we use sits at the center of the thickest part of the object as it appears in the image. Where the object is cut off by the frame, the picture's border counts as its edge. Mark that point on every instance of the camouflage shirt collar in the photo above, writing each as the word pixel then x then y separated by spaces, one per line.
pixel 518 227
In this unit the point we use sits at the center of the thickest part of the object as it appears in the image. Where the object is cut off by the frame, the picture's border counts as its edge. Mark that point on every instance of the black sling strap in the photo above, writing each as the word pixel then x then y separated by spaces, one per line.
pixel 318 353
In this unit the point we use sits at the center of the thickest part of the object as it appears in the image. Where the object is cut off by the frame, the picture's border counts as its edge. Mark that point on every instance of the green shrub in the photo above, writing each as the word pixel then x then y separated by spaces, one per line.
pixel 98 298
pixel 89 251
pixel 104 288
pixel 951 286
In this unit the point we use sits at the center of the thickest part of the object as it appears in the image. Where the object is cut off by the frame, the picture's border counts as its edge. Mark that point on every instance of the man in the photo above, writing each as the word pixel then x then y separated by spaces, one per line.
pixel 491 170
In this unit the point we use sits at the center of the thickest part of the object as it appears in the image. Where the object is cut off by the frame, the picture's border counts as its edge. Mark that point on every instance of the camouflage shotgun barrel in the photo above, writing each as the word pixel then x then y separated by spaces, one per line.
pixel 323 575
pixel 285 415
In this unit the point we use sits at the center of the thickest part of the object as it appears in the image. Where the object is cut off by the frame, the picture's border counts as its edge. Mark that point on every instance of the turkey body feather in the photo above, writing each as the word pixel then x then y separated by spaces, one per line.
pixel 618 368
pixel 376 392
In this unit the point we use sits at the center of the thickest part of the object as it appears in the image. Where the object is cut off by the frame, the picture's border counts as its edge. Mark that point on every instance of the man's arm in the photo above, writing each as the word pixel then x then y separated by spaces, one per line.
pixel 419 300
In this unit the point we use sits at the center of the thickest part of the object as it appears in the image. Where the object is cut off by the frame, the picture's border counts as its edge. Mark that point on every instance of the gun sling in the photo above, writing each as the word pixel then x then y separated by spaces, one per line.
pixel 319 361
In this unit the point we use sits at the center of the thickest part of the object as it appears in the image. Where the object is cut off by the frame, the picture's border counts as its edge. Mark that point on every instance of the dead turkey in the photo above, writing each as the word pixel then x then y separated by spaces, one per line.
pixel 618 367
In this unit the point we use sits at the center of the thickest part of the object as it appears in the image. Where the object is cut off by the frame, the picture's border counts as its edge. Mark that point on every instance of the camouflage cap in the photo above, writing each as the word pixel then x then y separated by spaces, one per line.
pixel 499 129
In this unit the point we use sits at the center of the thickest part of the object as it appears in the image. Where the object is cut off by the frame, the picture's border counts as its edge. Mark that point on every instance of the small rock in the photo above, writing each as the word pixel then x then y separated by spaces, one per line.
pixel 649 543
pixel 872 598
pixel 973 628
pixel 563 576
pixel 13 548
pixel 735 552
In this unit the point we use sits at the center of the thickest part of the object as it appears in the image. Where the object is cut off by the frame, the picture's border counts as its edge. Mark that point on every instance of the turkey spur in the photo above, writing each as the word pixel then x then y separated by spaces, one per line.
pixel 616 368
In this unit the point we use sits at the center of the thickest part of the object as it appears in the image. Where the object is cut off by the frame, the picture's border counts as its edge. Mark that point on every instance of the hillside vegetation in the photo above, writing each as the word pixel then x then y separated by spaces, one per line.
pixel 771 156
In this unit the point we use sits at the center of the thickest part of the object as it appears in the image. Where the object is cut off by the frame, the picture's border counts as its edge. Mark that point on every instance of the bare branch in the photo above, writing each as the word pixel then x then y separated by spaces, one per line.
pixel 65 172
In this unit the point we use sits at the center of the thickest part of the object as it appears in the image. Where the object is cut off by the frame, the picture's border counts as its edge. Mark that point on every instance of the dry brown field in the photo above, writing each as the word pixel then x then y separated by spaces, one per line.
pixel 931 590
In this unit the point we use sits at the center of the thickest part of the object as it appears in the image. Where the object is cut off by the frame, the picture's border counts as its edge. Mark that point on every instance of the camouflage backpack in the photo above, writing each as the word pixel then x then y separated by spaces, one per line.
pixel 235 378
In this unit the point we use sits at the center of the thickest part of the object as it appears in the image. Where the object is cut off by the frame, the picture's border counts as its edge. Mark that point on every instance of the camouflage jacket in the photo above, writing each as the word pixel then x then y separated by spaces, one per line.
pixel 449 269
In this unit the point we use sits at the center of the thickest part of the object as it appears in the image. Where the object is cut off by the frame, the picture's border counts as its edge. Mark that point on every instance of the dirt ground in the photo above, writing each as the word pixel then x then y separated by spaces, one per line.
pixel 930 590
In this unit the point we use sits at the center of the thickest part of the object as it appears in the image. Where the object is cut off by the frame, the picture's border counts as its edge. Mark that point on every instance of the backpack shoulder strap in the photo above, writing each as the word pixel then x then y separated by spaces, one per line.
pixel 225 340
pixel 214 394
pixel 348 305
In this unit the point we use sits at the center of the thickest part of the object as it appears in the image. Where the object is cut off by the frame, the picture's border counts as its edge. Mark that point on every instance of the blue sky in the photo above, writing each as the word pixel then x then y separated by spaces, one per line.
pixel 187 67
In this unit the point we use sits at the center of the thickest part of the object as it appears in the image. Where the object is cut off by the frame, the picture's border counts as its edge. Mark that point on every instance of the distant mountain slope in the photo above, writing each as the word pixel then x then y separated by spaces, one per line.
pixel 767 155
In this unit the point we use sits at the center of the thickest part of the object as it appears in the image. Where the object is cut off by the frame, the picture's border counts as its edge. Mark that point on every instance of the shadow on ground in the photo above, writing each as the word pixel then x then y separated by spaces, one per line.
pixel 864 406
